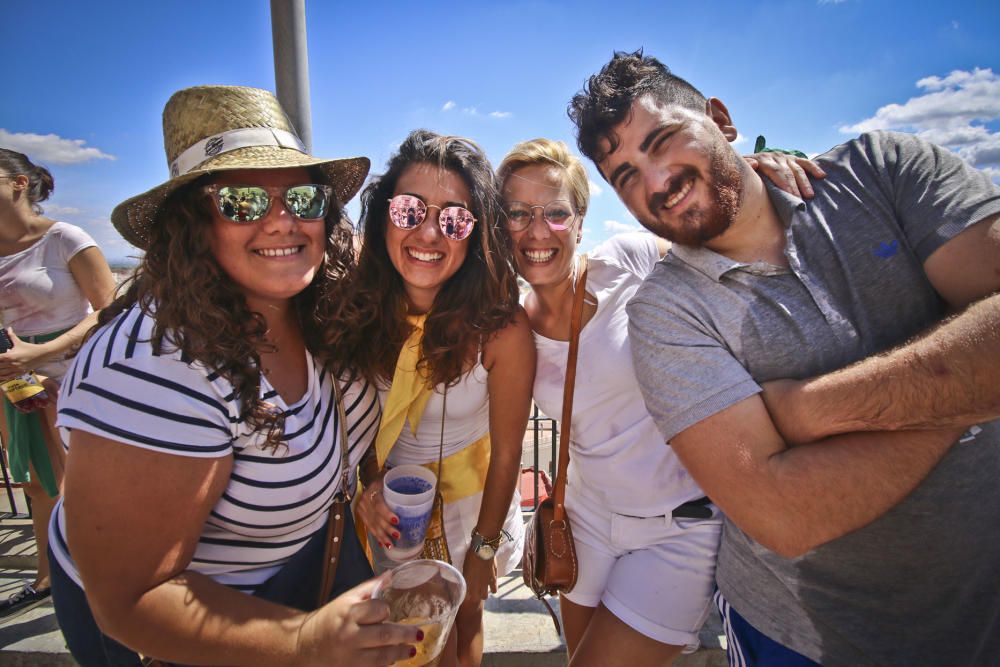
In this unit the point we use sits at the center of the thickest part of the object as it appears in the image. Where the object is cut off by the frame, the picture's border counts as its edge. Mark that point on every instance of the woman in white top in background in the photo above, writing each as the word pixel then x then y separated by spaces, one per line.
pixel 646 537
pixel 52 275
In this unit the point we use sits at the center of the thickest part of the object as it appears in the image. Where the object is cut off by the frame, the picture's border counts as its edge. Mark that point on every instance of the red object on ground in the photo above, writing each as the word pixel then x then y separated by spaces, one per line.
pixel 527 487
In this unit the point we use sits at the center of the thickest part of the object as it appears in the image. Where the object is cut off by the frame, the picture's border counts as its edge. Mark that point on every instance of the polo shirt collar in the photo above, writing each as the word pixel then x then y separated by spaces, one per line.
pixel 714 265
pixel 709 262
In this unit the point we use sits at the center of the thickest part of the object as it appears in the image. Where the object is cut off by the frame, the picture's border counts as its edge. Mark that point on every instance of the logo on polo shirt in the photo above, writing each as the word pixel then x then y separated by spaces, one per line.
pixel 887 250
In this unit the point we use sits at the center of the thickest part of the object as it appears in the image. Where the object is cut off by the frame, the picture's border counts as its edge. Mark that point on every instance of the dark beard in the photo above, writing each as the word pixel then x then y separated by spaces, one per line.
pixel 697 226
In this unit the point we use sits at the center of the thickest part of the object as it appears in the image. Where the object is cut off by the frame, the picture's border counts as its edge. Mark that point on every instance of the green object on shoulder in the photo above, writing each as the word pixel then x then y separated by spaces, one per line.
pixel 761 147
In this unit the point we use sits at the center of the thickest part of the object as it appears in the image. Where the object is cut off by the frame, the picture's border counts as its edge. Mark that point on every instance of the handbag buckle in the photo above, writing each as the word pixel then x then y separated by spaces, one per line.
pixel 559 528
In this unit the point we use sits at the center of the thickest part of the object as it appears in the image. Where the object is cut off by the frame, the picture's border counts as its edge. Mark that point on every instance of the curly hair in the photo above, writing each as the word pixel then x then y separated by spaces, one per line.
pixel 202 313
pixel 479 300
pixel 607 98
pixel 40 181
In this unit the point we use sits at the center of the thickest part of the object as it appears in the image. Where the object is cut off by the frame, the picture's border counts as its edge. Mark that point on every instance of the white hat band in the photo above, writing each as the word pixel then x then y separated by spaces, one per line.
pixel 218 144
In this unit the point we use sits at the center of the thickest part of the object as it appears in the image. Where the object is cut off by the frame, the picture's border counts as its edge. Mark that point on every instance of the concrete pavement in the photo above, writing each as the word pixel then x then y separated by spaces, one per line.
pixel 518 630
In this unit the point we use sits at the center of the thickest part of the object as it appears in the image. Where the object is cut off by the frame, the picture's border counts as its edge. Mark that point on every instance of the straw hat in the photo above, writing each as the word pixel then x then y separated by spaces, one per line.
pixel 220 128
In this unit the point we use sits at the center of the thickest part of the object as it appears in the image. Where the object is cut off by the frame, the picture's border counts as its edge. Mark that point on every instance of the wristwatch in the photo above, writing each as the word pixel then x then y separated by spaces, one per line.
pixel 484 548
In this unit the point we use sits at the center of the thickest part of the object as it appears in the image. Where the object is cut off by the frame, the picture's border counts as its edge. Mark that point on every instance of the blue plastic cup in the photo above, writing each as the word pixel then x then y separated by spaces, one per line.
pixel 409 492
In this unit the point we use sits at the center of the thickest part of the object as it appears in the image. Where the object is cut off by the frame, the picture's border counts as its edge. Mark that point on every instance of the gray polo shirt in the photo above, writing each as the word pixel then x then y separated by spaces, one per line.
pixel 920 585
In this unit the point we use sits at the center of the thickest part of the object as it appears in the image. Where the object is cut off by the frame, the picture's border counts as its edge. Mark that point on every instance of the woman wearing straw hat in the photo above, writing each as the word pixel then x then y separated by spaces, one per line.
pixel 435 322
pixel 205 416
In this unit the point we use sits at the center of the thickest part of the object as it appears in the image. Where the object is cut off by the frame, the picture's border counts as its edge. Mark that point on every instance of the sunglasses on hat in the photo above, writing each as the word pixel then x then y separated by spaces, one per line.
pixel 409 211
pixel 245 204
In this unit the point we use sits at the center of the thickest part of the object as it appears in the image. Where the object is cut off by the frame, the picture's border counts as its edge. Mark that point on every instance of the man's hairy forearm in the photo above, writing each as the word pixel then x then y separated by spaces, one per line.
pixel 833 487
pixel 945 378
pixel 794 499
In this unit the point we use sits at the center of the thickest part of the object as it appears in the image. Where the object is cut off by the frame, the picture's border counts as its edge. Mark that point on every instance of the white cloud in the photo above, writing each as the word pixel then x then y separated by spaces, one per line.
pixel 587 245
pixel 616 227
pixel 993 172
pixel 595 189
pixel 958 78
pixel 960 135
pixel 51 148
pixel 60 211
pixel 830 2
pixel 740 139
pixel 952 111
pixel 473 111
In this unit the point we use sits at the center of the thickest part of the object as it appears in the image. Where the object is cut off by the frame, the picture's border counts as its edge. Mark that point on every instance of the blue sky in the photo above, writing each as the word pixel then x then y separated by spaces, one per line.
pixel 86 81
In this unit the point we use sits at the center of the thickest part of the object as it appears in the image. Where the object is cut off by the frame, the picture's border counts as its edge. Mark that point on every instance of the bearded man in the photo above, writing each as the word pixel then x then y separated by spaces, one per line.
pixel 802 359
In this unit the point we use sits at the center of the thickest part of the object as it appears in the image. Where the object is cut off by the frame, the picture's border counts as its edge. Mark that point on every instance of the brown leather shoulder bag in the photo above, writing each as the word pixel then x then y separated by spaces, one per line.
pixel 549 565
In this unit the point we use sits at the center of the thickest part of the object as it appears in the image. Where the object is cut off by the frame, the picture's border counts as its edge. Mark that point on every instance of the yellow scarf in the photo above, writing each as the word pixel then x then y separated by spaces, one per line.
pixel 408 394
pixel 463 473
pixel 407 399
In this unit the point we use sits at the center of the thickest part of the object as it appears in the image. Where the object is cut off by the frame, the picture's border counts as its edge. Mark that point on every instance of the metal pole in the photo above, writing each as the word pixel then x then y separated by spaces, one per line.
pixel 291 64
pixel 7 483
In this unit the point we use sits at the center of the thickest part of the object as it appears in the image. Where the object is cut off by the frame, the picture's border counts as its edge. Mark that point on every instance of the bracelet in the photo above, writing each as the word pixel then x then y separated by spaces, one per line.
pixel 496 541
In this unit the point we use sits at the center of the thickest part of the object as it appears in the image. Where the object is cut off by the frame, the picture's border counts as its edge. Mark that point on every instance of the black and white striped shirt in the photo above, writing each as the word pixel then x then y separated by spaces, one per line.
pixel 121 388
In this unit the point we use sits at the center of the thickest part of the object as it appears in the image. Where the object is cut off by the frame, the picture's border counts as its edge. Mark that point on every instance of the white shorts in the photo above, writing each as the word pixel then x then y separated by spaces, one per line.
pixel 656 574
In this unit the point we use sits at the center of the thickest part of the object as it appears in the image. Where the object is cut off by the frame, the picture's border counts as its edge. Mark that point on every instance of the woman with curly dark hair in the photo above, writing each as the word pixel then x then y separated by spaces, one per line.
pixel 208 435
pixel 434 320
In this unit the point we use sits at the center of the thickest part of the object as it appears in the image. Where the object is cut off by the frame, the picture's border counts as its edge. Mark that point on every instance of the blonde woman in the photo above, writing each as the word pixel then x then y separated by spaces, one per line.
pixel 646 536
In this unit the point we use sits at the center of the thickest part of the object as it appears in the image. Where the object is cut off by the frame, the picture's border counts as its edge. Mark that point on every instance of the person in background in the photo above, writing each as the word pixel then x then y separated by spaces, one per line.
pixel 803 361
pixel 646 537
pixel 52 276
pixel 205 447
pixel 435 322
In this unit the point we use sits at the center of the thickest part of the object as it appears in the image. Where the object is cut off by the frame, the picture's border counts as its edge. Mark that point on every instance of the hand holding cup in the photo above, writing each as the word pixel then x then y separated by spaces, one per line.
pixel 408 491
pixel 379 520
pixel 355 629
pixel 425 593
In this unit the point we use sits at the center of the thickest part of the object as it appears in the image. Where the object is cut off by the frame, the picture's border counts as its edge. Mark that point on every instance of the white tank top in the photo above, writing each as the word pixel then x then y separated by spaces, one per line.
pixel 467 421
pixel 617 454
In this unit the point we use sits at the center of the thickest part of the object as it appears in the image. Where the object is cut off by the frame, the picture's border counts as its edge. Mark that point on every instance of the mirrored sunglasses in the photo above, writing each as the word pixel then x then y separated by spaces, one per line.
pixel 245 204
pixel 409 211
pixel 558 215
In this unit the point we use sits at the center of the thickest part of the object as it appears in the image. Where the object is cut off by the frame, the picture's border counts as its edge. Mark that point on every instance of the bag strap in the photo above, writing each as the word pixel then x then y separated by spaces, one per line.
pixel 340 507
pixel 576 321
pixel 444 412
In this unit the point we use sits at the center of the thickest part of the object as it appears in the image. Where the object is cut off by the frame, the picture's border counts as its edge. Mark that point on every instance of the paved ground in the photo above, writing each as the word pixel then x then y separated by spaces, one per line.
pixel 34 637
pixel 519 632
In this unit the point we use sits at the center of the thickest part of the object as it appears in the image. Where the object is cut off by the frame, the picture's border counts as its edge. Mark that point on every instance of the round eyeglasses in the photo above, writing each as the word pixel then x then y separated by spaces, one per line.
pixel 558 215
pixel 409 211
